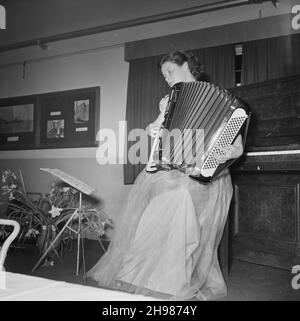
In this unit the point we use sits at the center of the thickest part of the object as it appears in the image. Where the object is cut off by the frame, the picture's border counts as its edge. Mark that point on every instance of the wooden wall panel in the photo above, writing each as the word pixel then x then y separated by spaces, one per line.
pixel 275 211
pixel 266 219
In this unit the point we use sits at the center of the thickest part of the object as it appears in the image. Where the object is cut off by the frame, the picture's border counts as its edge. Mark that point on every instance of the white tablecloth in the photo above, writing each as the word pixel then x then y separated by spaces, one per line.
pixel 19 287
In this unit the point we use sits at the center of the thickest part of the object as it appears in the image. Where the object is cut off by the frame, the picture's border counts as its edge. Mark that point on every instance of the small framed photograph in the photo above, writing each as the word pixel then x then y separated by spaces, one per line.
pixel 55 128
pixel 81 111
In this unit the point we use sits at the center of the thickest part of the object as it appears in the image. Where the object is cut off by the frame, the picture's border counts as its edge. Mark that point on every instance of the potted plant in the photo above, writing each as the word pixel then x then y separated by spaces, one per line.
pixel 41 217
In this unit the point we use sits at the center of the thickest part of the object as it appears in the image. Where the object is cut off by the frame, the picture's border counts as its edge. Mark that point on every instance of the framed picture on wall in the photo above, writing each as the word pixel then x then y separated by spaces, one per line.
pixel 70 118
pixel 62 119
pixel 17 122
pixel 55 128
pixel 81 111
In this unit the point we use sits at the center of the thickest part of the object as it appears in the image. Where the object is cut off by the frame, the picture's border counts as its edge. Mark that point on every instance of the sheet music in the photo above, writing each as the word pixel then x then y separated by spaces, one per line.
pixel 74 182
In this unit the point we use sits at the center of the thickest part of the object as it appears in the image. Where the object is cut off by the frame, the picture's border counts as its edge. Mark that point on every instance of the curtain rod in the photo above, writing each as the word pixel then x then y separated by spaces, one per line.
pixel 134 22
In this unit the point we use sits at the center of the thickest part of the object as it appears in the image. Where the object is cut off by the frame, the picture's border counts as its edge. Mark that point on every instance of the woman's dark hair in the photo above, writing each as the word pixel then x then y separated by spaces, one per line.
pixel 180 57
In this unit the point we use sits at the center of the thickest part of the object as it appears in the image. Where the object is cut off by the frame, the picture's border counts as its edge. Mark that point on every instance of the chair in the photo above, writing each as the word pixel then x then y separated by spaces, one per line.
pixel 8 241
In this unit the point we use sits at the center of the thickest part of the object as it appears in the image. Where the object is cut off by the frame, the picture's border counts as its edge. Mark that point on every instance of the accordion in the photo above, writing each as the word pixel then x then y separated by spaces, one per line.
pixel 199 118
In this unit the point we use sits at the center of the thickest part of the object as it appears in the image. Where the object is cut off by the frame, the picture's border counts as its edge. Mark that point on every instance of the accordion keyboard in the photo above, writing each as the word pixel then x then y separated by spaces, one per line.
pixel 227 136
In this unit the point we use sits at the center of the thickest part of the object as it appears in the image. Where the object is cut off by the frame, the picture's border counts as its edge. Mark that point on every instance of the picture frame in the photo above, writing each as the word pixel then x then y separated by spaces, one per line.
pixel 62 119
pixel 18 122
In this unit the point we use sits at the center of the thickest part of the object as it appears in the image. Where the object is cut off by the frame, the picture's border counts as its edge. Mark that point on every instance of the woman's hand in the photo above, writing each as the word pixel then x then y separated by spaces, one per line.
pixel 163 104
pixel 153 129
pixel 231 152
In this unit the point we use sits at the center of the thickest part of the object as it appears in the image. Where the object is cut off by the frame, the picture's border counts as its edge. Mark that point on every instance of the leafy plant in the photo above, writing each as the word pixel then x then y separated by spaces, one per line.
pixel 36 212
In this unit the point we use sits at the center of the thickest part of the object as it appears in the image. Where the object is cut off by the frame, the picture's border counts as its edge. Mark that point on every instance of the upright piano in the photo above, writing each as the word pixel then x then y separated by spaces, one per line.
pixel 264 219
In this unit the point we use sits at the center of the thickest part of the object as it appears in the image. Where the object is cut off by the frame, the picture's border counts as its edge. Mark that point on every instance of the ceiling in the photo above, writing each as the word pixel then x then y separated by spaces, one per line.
pixel 35 19
pixel 33 22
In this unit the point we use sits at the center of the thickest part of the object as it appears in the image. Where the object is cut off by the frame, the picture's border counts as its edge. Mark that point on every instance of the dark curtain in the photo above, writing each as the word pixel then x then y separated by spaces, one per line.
pixel 270 58
pixel 218 64
pixel 146 87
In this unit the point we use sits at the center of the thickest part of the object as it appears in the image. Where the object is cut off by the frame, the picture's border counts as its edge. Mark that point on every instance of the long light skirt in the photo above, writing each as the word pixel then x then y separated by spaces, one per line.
pixel 166 242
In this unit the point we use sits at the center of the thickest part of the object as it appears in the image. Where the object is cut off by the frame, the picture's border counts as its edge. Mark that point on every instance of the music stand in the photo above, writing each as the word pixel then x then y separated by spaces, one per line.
pixel 82 188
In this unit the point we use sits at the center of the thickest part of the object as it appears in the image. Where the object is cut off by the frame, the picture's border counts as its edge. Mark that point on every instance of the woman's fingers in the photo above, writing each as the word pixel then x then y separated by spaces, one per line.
pixel 163 103
pixel 154 132
pixel 153 129
pixel 223 149
pixel 220 159
pixel 223 154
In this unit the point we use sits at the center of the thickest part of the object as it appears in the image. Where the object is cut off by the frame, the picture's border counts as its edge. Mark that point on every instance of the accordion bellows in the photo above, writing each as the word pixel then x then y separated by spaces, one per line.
pixel 199 118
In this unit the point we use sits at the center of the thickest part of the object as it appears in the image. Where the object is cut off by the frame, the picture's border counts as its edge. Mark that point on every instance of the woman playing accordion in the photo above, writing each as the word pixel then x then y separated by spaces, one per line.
pixel 171 226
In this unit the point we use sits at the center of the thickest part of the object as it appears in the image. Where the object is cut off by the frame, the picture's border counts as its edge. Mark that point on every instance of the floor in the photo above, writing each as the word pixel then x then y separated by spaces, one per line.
pixel 247 282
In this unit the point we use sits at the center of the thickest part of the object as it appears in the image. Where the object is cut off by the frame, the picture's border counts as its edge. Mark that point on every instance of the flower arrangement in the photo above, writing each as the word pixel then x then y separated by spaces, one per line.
pixel 46 214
